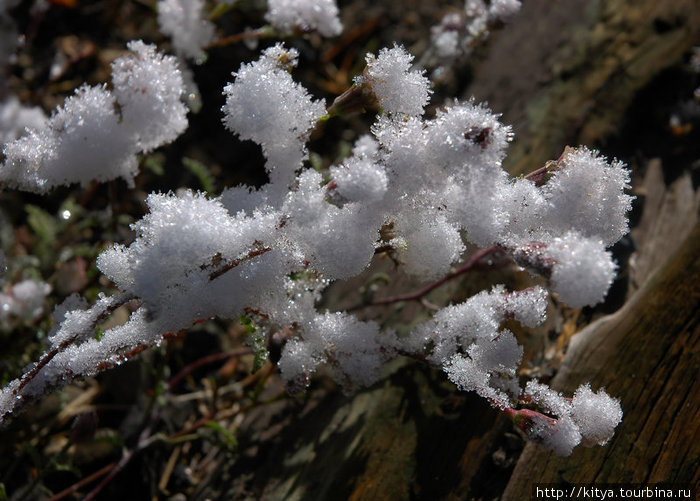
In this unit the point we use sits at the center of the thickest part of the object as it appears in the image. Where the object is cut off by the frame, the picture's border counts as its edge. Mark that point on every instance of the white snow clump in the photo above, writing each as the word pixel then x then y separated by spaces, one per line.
pixel 15 119
pixel 589 418
pixel 288 16
pixel 183 22
pixel 86 139
pixel 148 87
pixel 24 300
pixel 398 89
pixel 253 111
pixel 459 32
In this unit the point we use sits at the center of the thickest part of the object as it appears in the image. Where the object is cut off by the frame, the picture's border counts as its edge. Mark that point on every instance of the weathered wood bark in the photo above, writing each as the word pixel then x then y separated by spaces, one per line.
pixel 565 73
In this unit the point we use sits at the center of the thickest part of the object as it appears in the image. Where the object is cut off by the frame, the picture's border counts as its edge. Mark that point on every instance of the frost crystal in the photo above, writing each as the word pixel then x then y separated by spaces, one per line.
pixel 560 437
pixel 148 87
pixel 333 228
pixel 86 139
pixel 171 262
pixel 15 118
pixel 596 414
pixel 491 354
pixel 81 142
pixel 396 87
pixel 583 270
pixel 182 20
pixel 580 269
pixel 586 193
pixel 360 180
pixel 432 244
pixel 589 418
pixel 351 344
pixel 288 16
pixel 266 105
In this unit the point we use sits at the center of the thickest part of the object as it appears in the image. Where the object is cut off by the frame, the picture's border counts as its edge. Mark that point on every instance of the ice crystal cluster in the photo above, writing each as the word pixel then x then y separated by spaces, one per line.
pixel 397 89
pixel 282 131
pixel 183 21
pixel 458 32
pixel 432 184
pixel 23 301
pixel 288 16
pixel 86 139
pixel 15 119
pixel 589 418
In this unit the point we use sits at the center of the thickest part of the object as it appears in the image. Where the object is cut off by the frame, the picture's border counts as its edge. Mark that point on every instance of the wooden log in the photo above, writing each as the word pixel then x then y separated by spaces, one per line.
pixel 566 73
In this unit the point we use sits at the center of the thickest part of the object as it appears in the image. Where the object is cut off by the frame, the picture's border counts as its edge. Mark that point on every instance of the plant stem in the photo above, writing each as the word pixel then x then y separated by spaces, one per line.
pixel 80 483
pixel 216 357
pixel 473 263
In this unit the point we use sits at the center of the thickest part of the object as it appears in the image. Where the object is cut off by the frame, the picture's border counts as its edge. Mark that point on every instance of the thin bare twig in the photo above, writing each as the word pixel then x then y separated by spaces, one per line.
pixel 263 32
pixel 229 266
pixel 211 359
pixel 80 483
pixel 217 416
pixel 473 263
pixel 143 442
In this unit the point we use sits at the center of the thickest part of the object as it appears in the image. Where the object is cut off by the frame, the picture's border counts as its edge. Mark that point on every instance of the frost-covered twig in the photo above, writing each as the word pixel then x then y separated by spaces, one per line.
pixel 459 32
pixel 76 326
pixel 86 139
pixel 438 183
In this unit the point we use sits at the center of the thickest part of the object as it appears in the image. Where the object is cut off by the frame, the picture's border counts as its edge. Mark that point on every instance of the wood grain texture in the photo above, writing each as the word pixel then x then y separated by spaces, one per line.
pixel 578 68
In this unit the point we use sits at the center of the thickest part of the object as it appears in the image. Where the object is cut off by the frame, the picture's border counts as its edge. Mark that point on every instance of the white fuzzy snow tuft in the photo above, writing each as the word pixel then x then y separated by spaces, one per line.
pixel 596 414
pixel 289 16
pixel 81 142
pixel 398 89
pixel 264 104
pixel 148 87
pixel 86 139
pixel 182 20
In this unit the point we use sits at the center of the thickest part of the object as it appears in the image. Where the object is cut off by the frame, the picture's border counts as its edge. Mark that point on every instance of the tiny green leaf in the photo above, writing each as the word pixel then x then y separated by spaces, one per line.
pixel 229 438
pixel 201 172
pixel 42 223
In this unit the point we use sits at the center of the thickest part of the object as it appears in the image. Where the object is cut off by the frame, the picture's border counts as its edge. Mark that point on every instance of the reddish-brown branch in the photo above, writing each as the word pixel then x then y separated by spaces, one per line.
pixel 131 353
pixel 228 267
pixel 475 262
pixel 211 359
pixel 80 483
pixel 255 312
pixel 355 35
pixel 263 32
pixel 541 175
